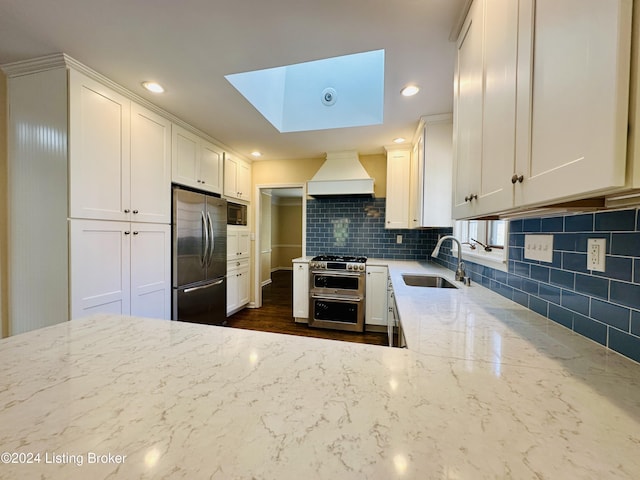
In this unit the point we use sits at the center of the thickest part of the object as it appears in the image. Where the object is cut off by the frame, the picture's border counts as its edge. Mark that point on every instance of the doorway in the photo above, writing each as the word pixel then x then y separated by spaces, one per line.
pixel 280 232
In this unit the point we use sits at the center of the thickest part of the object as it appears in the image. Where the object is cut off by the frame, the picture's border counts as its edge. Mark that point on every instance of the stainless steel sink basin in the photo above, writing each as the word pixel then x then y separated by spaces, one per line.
pixel 429 281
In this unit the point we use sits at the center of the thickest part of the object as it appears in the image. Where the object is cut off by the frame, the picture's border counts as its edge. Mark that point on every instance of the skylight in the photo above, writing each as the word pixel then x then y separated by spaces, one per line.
pixel 338 92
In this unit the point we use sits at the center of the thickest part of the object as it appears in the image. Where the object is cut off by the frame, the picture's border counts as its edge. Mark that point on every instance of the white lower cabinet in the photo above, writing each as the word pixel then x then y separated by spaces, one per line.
pixel 121 268
pixel 238 242
pixel 237 285
pixel 301 291
pixel 376 296
pixel 391 313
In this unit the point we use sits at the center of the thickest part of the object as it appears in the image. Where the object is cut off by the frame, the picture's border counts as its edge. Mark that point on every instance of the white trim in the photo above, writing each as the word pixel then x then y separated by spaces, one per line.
pixel 494 259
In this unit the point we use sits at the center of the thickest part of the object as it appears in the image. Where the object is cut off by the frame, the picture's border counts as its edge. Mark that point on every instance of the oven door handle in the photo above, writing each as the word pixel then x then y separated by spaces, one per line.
pixel 341 299
pixel 337 274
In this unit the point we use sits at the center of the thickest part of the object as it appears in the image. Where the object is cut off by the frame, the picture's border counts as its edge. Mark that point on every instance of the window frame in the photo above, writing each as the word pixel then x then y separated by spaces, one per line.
pixel 497 258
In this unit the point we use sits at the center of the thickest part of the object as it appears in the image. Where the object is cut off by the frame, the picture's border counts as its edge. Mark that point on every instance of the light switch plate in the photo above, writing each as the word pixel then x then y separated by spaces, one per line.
pixel 538 247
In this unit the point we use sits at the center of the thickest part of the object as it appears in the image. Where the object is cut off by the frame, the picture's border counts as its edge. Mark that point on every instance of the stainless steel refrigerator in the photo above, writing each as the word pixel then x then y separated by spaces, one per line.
pixel 199 230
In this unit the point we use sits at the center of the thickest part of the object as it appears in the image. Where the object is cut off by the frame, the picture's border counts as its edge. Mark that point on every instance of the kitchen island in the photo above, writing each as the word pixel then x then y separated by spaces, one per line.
pixel 486 389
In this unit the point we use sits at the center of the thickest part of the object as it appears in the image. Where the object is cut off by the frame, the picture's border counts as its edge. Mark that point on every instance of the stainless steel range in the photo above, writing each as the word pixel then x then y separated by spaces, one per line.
pixel 337 292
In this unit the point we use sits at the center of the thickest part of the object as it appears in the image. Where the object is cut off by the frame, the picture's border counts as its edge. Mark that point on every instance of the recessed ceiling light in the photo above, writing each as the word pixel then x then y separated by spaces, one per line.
pixel 398 140
pixel 256 154
pixel 410 90
pixel 153 87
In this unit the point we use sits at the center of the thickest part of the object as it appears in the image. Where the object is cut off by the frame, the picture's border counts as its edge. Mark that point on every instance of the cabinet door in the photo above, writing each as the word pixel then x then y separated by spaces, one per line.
pixel 232 244
pixel 243 285
pixel 211 159
pixel 398 173
pixel 150 166
pixel 376 296
pixel 184 157
pixel 151 270
pixel 244 181
pixel 391 321
pixel 416 183
pixel 99 257
pixel 244 243
pixel 467 111
pixel 230 177
pixel 232 287
pixel 495 190
pixel 576 100
pixel 301 290
pixel 437 172
pixel 99 151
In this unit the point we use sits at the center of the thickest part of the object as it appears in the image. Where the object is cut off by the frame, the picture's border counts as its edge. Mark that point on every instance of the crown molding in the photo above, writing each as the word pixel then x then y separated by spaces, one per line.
pixel 62 60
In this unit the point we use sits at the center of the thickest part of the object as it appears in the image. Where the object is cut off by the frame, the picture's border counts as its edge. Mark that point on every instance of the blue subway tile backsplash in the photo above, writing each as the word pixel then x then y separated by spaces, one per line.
pixel 602 306
pixel 356 226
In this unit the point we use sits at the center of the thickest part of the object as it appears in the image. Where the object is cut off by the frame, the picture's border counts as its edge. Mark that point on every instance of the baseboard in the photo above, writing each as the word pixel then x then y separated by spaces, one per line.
pixel 375 328
pixel 265 282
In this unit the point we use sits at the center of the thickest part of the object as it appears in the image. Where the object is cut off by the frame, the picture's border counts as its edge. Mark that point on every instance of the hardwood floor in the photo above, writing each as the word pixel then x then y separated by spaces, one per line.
pixel 276 316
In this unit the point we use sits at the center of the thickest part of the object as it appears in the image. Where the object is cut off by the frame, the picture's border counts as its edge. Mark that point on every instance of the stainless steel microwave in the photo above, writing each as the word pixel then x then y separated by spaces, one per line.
pixel 236 214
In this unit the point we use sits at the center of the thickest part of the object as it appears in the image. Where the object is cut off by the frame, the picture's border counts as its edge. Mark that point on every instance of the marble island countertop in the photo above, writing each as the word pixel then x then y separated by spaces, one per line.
pixel 486 389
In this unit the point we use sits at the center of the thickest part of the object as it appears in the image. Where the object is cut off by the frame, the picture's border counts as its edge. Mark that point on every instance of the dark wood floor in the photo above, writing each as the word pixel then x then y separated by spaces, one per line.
pixel 276 315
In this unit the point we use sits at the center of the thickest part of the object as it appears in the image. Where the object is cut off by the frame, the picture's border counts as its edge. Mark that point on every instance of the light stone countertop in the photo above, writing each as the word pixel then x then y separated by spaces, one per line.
pixel 486 389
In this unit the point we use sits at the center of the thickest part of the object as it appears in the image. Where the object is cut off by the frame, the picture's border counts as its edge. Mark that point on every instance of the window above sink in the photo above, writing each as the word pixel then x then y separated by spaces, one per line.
pixel 476 235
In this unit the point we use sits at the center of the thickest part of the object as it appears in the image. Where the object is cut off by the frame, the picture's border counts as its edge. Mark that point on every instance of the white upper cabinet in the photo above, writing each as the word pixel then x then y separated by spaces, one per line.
pixel 150 166
pixel 237 178
pixel 576 107
pixel 119 156
pixel 540 103
pixel 468 98
pixel 485 108
pixel 99 154
pixel 398 178
pixel 431 171
pixel 196 162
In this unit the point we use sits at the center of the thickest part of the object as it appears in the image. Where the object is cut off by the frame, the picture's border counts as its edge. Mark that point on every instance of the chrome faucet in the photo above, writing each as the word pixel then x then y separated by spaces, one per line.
pixel 460 273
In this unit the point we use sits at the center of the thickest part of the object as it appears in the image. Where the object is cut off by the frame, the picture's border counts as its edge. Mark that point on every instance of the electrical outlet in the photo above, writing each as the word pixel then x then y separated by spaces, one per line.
pixel 398 238
pixel 596 251
pixel 538 247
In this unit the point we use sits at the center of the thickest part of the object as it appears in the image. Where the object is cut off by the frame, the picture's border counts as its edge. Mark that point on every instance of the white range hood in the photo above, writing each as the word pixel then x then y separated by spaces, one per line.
pixel 340 175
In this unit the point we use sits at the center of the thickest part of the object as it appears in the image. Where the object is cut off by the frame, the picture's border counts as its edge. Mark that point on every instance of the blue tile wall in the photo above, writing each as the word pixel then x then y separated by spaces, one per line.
pixel 603 306
pixel 355 226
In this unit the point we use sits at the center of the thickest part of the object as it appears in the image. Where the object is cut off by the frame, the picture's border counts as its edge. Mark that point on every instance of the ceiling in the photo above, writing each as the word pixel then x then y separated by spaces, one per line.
pixel 190 45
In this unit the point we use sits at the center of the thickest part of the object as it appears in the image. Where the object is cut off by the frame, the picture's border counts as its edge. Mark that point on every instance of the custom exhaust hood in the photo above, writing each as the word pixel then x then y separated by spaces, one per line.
pixel 341 174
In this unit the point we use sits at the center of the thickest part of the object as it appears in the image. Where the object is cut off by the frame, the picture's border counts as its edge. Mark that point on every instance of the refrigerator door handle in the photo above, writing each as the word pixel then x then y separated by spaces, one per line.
pixel 213 239
pixel 202 287
pixel 205 253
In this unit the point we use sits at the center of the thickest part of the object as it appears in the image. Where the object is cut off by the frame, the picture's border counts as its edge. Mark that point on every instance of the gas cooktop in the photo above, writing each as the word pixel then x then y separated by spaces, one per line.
pixel 339 258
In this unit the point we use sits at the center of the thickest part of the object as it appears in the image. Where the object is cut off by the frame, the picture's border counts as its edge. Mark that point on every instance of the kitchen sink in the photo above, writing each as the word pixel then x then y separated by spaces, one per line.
pixel 430 281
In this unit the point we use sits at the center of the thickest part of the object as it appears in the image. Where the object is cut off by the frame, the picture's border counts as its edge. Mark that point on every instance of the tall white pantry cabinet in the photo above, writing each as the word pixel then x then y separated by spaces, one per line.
pixel 89 198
